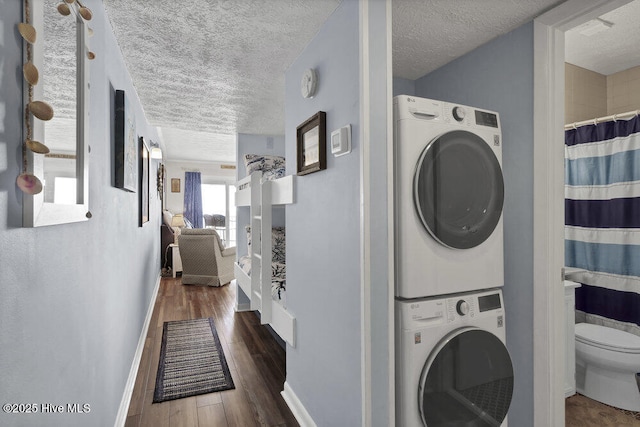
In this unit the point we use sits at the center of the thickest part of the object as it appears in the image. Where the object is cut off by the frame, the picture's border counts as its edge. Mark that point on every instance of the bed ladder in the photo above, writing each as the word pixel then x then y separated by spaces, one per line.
pixel 261 223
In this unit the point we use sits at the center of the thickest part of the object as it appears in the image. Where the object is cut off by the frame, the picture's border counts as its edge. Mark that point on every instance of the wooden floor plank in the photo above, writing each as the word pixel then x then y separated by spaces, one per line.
pixel 212 415
pixel 137 397
pixel 183 412
pixel 255 388
pixel 154 414
pixel 208 399
pixel 154 359
pixel 132 421
pixel 238 410
pixel 256 361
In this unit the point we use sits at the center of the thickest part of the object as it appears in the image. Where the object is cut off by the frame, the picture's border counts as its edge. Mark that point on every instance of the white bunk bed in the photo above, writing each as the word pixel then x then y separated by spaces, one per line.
pixel 260 195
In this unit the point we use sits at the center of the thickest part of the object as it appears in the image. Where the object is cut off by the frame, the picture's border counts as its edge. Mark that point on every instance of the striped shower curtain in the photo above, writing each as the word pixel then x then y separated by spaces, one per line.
pixel 602 221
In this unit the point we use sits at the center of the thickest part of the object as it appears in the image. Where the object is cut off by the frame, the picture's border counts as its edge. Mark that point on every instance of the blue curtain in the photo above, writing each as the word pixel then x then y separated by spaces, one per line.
pixel 193 198
pixel 602 220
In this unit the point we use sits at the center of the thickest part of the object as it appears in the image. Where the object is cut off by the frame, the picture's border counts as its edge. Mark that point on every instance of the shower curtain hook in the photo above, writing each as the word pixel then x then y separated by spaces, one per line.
pixel 615 117
pixel 574 125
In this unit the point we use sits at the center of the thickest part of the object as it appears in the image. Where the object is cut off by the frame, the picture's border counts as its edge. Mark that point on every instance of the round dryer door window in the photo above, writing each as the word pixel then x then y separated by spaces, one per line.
pixel 467 381
pixel 459 190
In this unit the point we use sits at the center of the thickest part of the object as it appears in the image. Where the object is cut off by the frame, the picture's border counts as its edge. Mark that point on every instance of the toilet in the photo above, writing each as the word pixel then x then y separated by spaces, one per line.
pixel 608 365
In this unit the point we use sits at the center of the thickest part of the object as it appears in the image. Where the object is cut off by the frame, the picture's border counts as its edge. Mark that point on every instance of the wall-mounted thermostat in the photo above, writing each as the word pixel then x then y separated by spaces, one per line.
pixel 341 141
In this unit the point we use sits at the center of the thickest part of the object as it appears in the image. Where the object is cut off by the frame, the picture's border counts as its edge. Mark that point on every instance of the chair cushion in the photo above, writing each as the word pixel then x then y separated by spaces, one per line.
pixel 203 232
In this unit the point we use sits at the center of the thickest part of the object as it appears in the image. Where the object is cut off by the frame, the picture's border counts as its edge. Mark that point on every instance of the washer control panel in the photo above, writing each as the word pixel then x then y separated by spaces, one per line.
pixel 463 306
pixel 459 113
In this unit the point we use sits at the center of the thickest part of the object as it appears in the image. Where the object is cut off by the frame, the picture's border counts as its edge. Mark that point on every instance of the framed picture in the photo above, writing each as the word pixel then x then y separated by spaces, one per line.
pixel 144 182
pixel 311 144
pixel 126 148
pixel 160 181
pixel 175 185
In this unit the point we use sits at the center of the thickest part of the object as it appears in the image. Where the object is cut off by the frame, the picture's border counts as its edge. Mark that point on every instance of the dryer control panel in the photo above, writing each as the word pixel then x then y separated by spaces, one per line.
pixel 427 312
pixel 423 109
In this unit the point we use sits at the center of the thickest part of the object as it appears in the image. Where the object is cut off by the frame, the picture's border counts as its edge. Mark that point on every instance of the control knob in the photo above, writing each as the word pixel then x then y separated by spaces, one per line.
pixel 458 113
pixel 462 307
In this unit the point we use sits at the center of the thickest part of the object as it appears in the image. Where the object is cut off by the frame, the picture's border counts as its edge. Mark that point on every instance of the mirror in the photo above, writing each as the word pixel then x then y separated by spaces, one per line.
pixel 60 55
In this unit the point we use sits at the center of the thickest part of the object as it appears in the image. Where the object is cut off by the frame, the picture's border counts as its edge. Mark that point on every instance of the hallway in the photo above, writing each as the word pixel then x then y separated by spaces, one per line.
pixel 256 360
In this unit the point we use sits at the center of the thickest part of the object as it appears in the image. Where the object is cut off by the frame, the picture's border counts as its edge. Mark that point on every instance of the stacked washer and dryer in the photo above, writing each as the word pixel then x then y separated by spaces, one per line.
pixel 452 364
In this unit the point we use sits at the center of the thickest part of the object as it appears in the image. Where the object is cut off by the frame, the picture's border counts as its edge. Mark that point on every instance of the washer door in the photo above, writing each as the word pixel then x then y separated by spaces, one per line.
pixel 458 189
pixel 466 381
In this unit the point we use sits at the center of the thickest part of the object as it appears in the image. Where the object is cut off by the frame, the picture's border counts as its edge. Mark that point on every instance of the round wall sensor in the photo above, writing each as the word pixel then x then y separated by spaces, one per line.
pixel 309 83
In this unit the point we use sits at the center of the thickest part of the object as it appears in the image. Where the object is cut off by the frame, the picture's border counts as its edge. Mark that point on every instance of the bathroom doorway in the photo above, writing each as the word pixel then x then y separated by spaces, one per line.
pixel 549 121
pixel 602 85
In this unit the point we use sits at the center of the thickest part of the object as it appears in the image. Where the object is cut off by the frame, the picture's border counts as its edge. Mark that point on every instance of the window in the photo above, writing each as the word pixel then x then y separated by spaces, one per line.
pixel 219 199
pixel 64 192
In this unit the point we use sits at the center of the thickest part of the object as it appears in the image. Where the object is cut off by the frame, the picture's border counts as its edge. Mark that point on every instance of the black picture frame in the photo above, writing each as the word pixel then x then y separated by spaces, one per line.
pixel 311 144
pixel 125 149
pixel 144 181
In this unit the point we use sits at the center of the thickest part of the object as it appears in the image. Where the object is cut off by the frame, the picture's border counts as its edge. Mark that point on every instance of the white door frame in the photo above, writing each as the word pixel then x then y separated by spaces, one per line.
pixel 548 223
pixel 376 215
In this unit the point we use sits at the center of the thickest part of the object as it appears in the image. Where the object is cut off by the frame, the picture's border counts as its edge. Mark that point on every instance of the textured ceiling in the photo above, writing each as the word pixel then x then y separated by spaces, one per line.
pixel 213 67
pixel 216 68
pixel 430 33
pixel 59 88
pixel 609 51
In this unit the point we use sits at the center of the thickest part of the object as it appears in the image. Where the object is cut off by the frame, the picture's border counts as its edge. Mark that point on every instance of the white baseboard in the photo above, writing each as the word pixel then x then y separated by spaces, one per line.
pixel 298 410
pixel 128 390
pixel 243 307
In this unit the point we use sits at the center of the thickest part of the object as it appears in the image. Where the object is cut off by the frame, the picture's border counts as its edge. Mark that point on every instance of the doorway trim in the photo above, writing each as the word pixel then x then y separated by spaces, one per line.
pixel 548 194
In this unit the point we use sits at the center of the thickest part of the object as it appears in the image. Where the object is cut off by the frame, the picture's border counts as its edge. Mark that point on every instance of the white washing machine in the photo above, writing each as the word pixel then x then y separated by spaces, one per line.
pixel 452 365
pixel 449 193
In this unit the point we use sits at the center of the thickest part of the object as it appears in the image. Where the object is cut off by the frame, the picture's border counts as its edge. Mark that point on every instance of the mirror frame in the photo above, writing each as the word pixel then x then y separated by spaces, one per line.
pixel 37 212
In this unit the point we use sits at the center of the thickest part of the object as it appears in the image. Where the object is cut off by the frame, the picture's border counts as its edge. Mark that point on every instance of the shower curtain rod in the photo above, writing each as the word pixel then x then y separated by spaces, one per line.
pixel 614 117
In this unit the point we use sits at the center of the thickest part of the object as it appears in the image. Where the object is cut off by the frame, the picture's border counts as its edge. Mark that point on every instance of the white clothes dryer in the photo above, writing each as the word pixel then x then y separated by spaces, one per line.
pixel 449 193
pixel 452 365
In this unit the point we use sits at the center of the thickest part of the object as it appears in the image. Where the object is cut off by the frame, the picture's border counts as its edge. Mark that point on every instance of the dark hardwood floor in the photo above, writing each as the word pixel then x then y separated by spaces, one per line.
pixel 256 360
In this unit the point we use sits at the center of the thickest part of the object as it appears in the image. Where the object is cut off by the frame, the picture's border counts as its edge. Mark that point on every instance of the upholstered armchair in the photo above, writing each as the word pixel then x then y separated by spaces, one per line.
pixel 205 261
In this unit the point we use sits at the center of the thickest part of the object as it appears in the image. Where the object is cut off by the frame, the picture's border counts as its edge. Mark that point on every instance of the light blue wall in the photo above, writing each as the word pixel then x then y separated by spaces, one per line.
pixel 499 76
pixel 72 297
pixel 403 86
pixel 323 272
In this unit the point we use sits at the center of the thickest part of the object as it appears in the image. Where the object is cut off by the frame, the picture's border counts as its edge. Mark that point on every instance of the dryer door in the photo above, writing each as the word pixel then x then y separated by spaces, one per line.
pixel 458 189
pixel 466 381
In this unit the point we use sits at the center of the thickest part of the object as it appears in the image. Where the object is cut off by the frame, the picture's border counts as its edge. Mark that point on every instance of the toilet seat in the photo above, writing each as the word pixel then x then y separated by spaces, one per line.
pixel 607 338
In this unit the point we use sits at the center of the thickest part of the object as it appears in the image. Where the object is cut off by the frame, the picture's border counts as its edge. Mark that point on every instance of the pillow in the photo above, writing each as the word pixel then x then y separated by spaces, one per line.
pixel 260 162
pixel 277 243
pixel 166 217
pixel 248 230
pixel 270 175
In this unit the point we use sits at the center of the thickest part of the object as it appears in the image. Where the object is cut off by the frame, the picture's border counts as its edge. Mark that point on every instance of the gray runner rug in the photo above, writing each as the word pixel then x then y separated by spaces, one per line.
pixel 191 361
